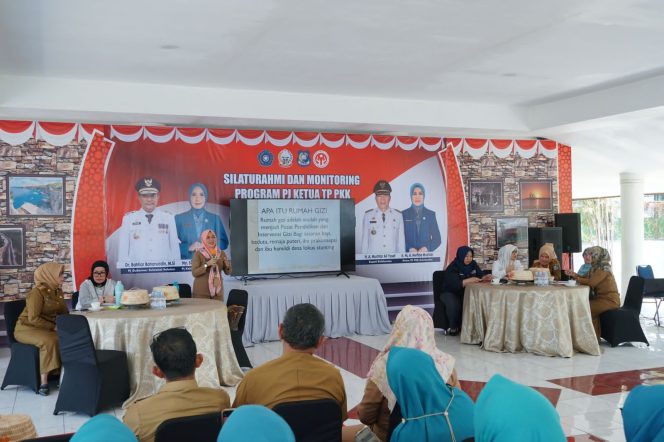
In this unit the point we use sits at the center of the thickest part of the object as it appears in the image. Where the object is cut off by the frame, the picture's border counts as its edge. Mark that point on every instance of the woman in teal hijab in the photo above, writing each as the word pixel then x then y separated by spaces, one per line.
pixel 643 414
pixel 255 423
pixel 104 428
pixel 507 411
pixel 431 410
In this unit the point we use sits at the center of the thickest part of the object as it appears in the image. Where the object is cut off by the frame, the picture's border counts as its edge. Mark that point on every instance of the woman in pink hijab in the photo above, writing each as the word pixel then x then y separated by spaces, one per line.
pixel 206 265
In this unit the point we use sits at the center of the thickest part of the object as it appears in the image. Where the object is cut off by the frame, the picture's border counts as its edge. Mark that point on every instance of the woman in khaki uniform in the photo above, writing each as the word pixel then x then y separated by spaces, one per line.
pixel 206 265
pixel 36 325
pixel 601 281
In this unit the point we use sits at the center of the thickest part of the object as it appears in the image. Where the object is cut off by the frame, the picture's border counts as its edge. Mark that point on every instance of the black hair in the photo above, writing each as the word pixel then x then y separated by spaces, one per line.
pixel 303 326
pixel 174 352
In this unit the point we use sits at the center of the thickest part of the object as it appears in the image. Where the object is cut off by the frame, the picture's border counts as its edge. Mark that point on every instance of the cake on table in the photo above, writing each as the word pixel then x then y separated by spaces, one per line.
pixel 522 275
pixel 135 297
pixel 169 291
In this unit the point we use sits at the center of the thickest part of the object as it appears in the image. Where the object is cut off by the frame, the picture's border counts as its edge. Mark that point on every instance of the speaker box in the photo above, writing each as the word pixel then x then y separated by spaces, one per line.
pixel 571 225
pixel 537 236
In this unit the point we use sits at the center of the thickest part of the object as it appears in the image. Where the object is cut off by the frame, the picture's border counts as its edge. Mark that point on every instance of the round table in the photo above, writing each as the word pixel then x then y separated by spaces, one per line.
pixel 131 330
pixel 552 320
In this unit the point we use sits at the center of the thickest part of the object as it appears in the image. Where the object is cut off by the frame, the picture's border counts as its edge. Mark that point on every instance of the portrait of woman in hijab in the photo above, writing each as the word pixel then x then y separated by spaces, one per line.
pixel 11 246
pixel 193 222
pixel 420 225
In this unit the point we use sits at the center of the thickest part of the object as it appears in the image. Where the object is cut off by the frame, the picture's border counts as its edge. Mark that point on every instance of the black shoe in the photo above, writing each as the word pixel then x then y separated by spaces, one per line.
pixel 453 331
pixel 44 390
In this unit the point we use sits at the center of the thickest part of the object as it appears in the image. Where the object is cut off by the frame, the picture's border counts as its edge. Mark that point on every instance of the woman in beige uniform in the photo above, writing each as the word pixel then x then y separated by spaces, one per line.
pixel 36 325
pixel 206 265
pixel 601 281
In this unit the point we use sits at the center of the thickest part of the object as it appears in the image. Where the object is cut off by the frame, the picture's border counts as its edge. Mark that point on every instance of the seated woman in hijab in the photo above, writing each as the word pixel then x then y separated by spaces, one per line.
pixel 102 428
pixel 431 410
pixel 548 260
pixel 191 223
pixel 255 423
pixel 36 324
pixel 413 328
pixel 643 414
pixel 507 411
pixel 97 288
pixel 461 272
pixel 601 282
pixel 506 262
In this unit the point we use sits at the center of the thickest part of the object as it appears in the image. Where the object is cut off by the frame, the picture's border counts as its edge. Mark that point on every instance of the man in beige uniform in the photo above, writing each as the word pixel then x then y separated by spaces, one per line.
pixel 174 353
pixel 297 375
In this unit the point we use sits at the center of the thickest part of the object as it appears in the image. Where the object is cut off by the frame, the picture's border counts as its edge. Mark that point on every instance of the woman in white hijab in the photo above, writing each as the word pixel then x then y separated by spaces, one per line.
pixel 506 262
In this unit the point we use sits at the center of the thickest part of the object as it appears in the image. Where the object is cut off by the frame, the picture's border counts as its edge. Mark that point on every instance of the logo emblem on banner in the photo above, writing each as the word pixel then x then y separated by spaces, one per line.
pixel 285 158
pixel 321 159
pixel 265 158
pixel 303 158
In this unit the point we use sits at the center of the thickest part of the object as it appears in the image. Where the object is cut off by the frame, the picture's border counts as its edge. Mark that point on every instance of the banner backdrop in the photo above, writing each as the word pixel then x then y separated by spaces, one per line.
pixel 149 239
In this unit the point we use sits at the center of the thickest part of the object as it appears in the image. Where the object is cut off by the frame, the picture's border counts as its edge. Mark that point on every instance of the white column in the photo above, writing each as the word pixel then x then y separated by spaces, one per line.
pixel 631 213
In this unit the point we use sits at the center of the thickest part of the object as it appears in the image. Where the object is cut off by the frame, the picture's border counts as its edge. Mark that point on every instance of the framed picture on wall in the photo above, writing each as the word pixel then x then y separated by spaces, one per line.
pixel 485 196
pixel 35 195
pixel 12 246
pixel 512 230
pixel 536 195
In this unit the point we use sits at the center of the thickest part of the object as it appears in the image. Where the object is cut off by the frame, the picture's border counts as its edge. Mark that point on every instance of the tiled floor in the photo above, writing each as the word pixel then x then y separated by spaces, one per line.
pixel 587 391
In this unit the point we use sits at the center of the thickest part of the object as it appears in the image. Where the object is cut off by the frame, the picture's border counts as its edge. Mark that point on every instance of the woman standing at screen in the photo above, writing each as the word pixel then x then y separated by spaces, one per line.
pixel 206 266
pixel 191 223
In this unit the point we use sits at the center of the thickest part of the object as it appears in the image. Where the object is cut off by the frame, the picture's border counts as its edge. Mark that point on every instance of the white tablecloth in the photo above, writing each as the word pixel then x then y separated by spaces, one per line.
pixel 550 320
pixel 132 332
pixel 355 305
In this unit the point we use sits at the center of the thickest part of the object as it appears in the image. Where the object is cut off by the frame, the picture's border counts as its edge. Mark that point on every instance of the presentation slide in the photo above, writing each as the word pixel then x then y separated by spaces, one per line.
pixel 288 236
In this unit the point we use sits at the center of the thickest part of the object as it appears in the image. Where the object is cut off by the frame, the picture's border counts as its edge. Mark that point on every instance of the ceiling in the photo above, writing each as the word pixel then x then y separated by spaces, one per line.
pixel 589 74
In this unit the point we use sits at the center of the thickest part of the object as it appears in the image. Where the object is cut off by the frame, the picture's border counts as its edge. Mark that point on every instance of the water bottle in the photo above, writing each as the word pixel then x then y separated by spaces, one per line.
pixel 157 300
pixel 119 288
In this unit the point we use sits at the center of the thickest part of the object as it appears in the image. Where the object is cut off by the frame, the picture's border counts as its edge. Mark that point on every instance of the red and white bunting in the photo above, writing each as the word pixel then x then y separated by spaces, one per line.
pixel 16 132
pixel 190 135
pixel 60 134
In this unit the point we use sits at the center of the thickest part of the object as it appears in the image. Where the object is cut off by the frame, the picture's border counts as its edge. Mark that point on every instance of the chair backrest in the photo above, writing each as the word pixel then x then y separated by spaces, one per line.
pixel 239 297
pixel 203 428
pixel 437 278
pixel 645 272
pixel 74 300
pixel 634 296
pixel 75 339
pixel 184 290
pixel 316 420
pixel 13 310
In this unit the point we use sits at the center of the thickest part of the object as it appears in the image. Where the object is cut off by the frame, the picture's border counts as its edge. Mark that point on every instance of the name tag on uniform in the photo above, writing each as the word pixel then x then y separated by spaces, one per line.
pixel 163 228
pixel 136 223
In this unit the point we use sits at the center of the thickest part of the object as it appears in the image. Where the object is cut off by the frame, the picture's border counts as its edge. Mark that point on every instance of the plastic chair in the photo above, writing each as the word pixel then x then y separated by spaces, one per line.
pixel 74 300
pixel 312 421
pixel 239 297
pixel 23 368
pixel 54 438
pixel 653 289
pixel 93 379
pixel 203 428
pixel 622 325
